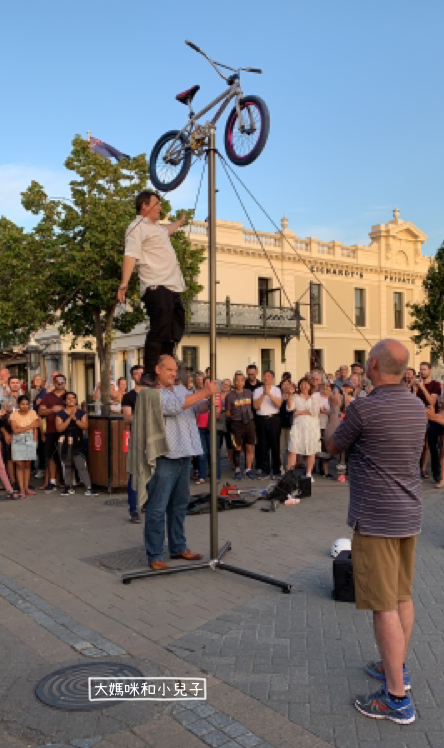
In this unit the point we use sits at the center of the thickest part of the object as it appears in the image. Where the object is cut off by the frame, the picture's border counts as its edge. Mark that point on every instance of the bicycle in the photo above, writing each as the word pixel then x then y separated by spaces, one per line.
pixel 246 130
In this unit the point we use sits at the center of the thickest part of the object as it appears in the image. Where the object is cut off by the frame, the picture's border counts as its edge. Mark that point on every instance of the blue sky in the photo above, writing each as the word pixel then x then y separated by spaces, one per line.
pixel 354 91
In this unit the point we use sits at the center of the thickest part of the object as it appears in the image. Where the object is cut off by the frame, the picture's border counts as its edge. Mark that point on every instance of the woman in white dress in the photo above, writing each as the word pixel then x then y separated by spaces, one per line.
pixel 305 434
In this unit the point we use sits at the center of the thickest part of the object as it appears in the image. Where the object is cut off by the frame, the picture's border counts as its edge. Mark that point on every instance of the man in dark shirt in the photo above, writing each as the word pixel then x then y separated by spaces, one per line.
pixel 128 409
pixel 51 405
pixel 384 433
pixel 239 409
pixel 252 383
pixel 428 390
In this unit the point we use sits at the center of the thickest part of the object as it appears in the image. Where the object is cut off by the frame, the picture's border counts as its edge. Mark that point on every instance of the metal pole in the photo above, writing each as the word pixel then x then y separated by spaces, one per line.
pixel 212 294
pixel 313 363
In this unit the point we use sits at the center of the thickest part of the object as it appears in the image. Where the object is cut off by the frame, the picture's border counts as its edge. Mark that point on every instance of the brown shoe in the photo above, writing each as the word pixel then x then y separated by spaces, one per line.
pixel 158 564
pixel 188 555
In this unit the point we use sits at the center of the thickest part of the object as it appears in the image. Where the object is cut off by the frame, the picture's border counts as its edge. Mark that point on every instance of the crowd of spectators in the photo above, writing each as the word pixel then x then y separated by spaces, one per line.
pixel 264 428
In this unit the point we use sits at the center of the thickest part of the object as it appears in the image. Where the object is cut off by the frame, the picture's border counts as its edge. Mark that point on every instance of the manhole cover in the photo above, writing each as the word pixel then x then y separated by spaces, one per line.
pixel 68 688
pixel 116 502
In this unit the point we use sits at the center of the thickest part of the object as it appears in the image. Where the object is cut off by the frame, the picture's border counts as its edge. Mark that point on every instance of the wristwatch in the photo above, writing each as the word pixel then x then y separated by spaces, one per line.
pixel 334 411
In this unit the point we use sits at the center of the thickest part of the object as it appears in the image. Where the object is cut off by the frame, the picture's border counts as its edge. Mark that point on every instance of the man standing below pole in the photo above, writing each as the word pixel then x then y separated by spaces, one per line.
pixel 161 282
pixel 385 434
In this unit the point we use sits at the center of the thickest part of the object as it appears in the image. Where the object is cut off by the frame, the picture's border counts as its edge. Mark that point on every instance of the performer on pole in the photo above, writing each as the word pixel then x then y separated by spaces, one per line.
pixel 161 282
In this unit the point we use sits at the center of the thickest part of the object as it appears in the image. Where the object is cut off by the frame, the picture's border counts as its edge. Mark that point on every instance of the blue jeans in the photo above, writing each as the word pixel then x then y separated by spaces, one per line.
pixel 204 460
pixel 168 493
pixel 133 504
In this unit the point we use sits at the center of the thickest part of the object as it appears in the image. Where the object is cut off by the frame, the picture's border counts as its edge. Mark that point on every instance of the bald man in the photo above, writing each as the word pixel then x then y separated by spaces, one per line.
pixel 384 433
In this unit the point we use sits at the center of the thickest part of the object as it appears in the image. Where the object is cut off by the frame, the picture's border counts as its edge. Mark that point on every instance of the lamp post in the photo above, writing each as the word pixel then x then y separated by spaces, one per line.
pixel 33 352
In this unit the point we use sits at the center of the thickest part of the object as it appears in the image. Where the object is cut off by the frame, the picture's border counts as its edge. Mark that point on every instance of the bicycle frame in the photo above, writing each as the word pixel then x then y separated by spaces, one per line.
pixel 233 91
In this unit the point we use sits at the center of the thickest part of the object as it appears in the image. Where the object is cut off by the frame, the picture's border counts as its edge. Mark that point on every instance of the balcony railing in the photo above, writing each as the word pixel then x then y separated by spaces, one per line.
pixel 242 319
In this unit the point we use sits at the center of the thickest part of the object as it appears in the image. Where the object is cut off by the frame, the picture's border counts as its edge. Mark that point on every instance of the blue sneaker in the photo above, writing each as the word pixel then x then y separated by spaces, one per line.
pixel 378 705
pixel 50 488
pixel 376 670
pixel 249 474
pixel 237 475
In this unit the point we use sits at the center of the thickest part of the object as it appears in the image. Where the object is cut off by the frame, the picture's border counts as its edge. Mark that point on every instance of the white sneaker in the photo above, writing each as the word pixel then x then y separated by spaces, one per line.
pixel 311 478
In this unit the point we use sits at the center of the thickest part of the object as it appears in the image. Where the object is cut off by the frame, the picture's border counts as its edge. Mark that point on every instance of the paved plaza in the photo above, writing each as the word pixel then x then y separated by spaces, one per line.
pixel 282 669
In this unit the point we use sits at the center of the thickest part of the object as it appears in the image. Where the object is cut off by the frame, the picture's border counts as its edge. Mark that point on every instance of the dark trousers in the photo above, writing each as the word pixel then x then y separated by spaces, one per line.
pixel 167 323
pixel 434 431
pixel 268 438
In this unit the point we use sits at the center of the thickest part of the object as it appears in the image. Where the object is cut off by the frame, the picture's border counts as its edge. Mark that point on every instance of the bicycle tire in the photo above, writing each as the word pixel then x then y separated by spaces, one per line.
pixel 154 173
pixel 244 159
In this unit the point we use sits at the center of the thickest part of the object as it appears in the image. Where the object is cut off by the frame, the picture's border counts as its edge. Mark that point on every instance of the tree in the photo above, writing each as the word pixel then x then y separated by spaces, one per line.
pixel 66 271
pixel 428 317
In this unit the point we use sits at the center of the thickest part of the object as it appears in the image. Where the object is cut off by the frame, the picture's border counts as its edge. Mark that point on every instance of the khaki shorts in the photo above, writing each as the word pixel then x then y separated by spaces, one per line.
pixel 383 570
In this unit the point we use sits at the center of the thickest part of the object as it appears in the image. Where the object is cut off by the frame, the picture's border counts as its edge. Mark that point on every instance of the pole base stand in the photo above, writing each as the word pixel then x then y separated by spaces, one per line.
pixel 214 565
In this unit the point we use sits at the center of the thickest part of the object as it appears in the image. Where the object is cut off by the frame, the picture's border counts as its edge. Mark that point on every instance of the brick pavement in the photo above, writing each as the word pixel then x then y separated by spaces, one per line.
pixel 46 539
pixel 302 654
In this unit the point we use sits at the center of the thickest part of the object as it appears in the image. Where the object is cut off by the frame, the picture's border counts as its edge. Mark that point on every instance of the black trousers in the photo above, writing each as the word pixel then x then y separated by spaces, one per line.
pixel 268 438
pixel 434 431
pixel 167 324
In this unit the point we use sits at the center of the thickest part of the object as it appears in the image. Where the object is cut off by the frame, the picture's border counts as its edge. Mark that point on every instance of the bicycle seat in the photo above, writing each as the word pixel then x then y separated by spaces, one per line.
pixel 186 96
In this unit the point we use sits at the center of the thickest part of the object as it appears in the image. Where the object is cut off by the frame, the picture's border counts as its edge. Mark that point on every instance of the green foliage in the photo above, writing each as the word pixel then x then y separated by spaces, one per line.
pixel 428 317
pixel 67 269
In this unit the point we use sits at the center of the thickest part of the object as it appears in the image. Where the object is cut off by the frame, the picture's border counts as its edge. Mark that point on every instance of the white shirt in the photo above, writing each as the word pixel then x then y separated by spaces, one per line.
pixel 267 408
pixel 151 247
pixel 323 403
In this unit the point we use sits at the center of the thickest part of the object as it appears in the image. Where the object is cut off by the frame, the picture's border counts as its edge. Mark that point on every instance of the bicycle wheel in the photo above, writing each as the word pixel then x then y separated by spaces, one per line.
pixel 169 165
pixel 244 146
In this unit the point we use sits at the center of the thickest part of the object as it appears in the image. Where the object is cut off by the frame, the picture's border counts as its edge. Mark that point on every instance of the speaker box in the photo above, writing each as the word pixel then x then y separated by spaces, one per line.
pixel 343 584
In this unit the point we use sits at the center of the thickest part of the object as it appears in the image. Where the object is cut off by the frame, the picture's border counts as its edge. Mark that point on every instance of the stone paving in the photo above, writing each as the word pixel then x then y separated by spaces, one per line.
pixel 284 667
pixel 302 654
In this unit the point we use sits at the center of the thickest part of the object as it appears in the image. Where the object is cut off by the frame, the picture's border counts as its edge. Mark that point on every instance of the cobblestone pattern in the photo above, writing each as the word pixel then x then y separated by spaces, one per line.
pixel 216 728
pixel 86 743
pixel 302 654
pixel 54 620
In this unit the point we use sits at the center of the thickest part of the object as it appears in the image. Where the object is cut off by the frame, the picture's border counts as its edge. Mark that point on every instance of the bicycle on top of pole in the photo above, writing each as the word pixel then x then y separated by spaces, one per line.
pixel 246 130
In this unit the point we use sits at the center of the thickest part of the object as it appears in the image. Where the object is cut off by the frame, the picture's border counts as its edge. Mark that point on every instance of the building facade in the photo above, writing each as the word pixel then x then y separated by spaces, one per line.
pixel 349 298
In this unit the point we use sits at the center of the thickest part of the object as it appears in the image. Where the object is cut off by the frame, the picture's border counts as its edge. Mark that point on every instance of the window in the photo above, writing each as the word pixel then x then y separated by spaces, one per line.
pixel 268 295
pixel 316 303
pixel 190 357
pixel 318 359
pixel 398 303
pixel 359 358
pixel 359 307
pixel 263 285
pixel 267 359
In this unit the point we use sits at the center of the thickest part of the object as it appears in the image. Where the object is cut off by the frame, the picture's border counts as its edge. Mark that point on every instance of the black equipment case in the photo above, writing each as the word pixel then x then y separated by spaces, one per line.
pixel 343 583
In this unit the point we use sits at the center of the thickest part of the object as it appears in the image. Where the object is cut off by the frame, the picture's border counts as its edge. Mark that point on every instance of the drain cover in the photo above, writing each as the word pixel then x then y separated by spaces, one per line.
pixel 68 688
pixel 116 502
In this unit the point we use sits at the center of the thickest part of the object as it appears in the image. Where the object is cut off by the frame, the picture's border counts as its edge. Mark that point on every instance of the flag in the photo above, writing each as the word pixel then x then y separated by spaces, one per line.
pixel 98 146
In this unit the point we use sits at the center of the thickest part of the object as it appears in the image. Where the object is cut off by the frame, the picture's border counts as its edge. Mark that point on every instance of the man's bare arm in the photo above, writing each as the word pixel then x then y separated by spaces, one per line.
pixel 176 225
pixel 127 270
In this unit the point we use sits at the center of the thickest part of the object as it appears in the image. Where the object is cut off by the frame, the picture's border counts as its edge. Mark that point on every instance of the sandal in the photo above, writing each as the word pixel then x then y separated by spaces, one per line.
pixel 14 495
pixel 199 481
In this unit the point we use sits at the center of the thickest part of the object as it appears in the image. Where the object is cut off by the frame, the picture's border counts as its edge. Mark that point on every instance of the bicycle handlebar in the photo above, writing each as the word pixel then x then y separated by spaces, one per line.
pixel 193 46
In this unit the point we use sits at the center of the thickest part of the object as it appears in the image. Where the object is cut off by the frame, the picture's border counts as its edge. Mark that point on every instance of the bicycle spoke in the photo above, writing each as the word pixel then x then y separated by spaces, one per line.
pixel 244 142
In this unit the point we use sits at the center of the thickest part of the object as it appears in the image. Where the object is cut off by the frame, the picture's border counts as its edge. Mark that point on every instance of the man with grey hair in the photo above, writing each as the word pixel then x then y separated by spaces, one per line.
pixel 384 434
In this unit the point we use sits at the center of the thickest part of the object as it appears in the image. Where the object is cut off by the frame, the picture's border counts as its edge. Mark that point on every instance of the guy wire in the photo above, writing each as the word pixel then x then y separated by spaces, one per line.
pixel 223 160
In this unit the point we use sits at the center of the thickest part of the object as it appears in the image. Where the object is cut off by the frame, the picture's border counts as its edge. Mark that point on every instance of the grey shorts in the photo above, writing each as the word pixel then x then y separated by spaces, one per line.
pixel 23 447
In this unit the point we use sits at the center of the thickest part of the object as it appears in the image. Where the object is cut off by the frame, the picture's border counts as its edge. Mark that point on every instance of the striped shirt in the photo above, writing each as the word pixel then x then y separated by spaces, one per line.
pixel 385 435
